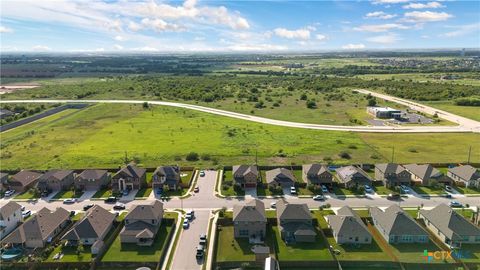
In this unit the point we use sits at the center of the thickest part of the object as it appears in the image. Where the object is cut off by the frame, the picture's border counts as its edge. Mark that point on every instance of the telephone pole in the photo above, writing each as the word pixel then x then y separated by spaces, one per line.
pixel 393 153
pixel 469 153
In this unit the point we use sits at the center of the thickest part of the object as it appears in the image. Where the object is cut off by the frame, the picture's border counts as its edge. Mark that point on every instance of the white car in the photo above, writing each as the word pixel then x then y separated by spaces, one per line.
pixel 293 191
pixel 318 198
pixel 69 201
pixel 26 214
pixel 9 193
pixel 186 224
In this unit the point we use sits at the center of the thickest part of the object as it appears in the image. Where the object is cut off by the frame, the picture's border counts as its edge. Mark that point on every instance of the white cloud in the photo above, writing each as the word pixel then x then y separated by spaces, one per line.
pixel 41 48
pixel 118 47
pixel 380 15
pixel 377 2
pixel 4 29
pixel 320 37
pixel 379 27
pixel 353 46
pixel 385 39
pixel 160 25
pixel 302 34
pixel 119 38
pixel 422 5
pixel 463 30
pixel 133 26
pixel 426 16
pixel 146 49
pixel 256 47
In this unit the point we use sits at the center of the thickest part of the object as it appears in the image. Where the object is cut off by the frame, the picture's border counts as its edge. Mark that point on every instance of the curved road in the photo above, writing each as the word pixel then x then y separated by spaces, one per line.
pixel 464 124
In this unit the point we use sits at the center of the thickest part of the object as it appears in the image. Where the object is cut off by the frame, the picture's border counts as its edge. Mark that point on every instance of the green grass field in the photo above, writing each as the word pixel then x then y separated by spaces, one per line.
pixel 471 112
pixel 422 77
pixel 101 135
pixel 233 249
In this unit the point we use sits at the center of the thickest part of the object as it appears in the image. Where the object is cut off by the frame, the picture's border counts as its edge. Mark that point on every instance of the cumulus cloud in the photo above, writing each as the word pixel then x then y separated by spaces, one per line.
pixel 423 5
pixel 119 38
pixel 160 25
pixel 462 30
pixel 118 47
pixel 4 29
pixel 146 49
pixel 426 16
pixel 302 34
pixel 379 27
pixel 256 47
pixel 353 46
pixel 380 15
pixel 377 2
pixel 320 37
pixel 385 39
pixel 41 48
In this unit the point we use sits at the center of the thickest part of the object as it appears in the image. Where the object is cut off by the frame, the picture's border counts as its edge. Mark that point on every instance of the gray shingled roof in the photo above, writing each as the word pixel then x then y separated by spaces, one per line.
pixel 388 168
pixel 132 171
pixel 92 174
pixel 239 171
pixel 288 211
pixel 315 169
pixel 171 173
pixel 26 177
pixel 252 211
pixel 466 172
pixel 449 222
pixel 8 209
pixel 94 224
pixel 280 175
pixel 423 171
pixel 396 222
pixel 55 174
pixel 346 173
pixel 347 222
pixel 39 227
pixel 150 211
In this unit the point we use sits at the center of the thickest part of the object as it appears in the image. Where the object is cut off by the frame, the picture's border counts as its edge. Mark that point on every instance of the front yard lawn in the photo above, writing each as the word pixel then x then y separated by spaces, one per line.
pixel 470 253
pixel 119 252
pixel 27 195
pixel 102 193
pixel 67 194
pixel 144 192
pixel 185 179
pixel 382 190
pixel 423 190
pixel 233 249
pixel 70 254
pixel 344 192
pixel 467 191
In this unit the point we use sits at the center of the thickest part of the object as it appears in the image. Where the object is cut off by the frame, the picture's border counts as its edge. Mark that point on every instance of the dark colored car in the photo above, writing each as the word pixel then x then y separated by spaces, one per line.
pixel 88 206
pixel 200 252
pixel 111 200
pixel 393 196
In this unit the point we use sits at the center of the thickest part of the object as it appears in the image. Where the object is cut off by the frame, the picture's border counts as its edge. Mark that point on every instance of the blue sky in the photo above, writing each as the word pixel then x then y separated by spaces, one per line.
pixel 231 26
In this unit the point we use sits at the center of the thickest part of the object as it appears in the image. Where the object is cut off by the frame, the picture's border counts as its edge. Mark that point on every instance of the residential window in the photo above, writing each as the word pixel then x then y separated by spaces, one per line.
pixel 366 239
pixel 243 232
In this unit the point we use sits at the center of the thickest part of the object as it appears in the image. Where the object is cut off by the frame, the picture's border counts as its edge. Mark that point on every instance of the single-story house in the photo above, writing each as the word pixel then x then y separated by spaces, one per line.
pixel 92 180
pixel 24 180
pixel 56 180
pixel 348 228
pixel 352 176
pixel 129 177
pixel 396 226
pixel 249 220
pixel 465 175
pixel 280 177
pixel 295 222
pixel 39 230
pixel 245 175
pixel 166 176
pixel 449 226
pixel 10 218
pixel 317 174
pixel 392 174
pixel 426 175
pixel 142 224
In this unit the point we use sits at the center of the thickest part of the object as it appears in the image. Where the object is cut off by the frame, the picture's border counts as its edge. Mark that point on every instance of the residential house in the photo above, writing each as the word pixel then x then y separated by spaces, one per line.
pixel 10 217
pixel 352 176
pixel 426 175
pixel 317 174
pixel 295 222
pixel 249 220
pixel 396 226
pixel 348 228
pixel 449 226
pixel 39 230
pixel 142 224
pixel 392 174
pixel 465 175
pixel 245 175
pixel 24 180
pixel 91 229
pixel 280 177
pixel 92 180
pixel 56 180
pixel 129 177
pixel 166 176
pixel 3 181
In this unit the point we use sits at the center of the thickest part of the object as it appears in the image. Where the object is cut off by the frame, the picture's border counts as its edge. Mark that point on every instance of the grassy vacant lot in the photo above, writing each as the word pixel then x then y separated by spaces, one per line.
pixel 471 112
pixel 100 136
pixel 421 77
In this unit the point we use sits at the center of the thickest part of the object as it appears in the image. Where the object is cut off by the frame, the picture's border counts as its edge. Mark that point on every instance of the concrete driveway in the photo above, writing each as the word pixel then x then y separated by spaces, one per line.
pixel 252 192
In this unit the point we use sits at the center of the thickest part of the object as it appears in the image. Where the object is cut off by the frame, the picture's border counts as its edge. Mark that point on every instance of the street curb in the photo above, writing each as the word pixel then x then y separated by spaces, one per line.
pixel 178 230
pixel 212 227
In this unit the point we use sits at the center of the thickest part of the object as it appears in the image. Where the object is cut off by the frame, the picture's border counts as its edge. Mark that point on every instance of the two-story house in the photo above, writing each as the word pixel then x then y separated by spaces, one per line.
pixel 10 217
pixel 317 174
pixel 24 180
pixel 465 175
pixel 245 175
pixel 426 175
pixel 166 176
pixel 56 180
pixel 129 177
pixel 295 222
pixel 92 180
pixel 352 176
pixel 249 220
pixel 348 228
pixel 142 224
pixel 392 174
pixel 280 177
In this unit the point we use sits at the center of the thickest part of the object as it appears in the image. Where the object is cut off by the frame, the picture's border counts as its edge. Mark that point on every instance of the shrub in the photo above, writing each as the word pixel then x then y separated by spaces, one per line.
pixel 303 97
pixel 311 104
pixel 372 102
pixel 206 157
pixel 192 156
pixel 352 146
pixel 145 105
pixel 345 155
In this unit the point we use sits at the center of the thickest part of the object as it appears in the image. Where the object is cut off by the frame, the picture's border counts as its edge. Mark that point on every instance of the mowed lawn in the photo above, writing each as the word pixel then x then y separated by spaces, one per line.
pixel 233 249
pixel 101 135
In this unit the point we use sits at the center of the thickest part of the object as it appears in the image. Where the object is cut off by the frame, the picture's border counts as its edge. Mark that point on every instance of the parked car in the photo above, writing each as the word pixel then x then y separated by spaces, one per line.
pixel 186 224
pixel 125 192
pixel 188 216
pixel 119 206
pixel 22 208
pixel 293 191
pixel 202 173
pixel 324 189
pixel 273 205
pixel 455 204
pixel 203 240
pixel 318 198
pixel 368 189
pixel 69 201
pixel 393 196
pixel 26 214
pixel 111 200
pixel 447 195
pixel 45 193
pixel 159 191
pixel 196 189
pixel 200 252
pixel 191 212
pixel 448 188
pixel 88 206
pixel 404 189
pixel 9 193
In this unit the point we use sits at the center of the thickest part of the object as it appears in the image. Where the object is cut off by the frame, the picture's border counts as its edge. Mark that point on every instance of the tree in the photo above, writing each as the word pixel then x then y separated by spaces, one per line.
pixel 311 104
pixel 145 105
pixel 372 102
pixel 192 156
pixel 303 96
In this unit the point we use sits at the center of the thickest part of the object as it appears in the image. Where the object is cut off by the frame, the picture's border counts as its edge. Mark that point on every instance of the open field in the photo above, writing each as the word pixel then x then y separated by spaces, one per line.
pixel 424 77
pixel 100 136
pixel 471 112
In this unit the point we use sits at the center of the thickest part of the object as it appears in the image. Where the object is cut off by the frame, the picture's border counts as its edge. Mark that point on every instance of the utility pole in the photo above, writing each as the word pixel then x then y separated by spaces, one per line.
pixel 469 153
pixel 393 153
